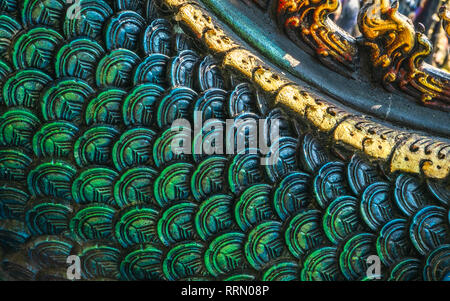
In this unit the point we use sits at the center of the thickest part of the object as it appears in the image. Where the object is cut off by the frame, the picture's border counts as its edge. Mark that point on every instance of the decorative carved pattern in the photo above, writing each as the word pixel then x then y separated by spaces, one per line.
pixel 102 182
pixel 309 20
pixel 397 52
pixel 444 14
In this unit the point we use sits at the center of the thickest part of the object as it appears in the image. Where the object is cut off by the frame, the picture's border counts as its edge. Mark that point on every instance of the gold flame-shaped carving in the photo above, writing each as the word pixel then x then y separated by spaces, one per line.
pixel 311 17
pixel 398 51
pixel 444 14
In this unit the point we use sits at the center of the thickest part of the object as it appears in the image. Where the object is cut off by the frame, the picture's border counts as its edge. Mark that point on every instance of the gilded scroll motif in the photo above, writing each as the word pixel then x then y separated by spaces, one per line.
pixel 444 14
pixel 398 51
pixel 309 20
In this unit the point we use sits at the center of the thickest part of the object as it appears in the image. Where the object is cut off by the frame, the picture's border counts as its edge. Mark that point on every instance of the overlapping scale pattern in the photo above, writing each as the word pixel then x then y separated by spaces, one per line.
pixel 87 167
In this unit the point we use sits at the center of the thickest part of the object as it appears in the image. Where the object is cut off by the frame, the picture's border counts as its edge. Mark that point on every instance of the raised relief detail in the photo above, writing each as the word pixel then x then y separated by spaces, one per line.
pixel 398 51
pixel 444 15
pixel 309 20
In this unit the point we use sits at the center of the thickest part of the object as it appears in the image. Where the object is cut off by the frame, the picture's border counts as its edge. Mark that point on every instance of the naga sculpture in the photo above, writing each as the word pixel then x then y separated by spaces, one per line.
pixel 94 105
